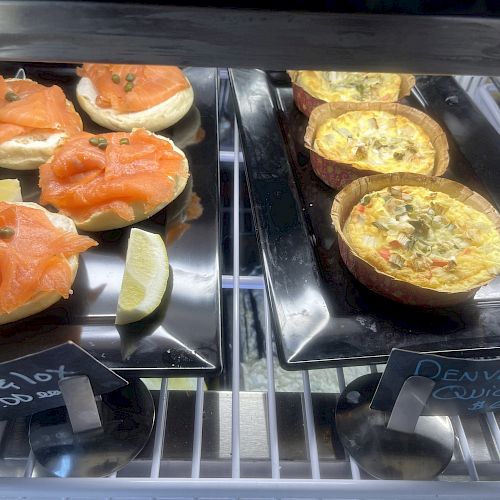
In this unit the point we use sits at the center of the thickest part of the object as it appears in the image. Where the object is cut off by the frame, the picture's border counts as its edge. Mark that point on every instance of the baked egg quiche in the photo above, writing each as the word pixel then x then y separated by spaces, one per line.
pixel 425 238
pixel 332 86
pixel 376 140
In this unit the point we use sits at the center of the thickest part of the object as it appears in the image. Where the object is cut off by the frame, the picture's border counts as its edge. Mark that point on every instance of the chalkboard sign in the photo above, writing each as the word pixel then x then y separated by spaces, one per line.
pixel 462 386
pixel 30 384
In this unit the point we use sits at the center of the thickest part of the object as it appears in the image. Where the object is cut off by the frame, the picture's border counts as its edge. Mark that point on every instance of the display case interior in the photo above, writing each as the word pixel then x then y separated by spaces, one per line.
pixel 276 302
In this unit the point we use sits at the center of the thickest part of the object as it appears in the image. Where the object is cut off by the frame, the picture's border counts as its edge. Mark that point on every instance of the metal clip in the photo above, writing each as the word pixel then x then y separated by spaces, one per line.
pixel 80 403
pixel 410 404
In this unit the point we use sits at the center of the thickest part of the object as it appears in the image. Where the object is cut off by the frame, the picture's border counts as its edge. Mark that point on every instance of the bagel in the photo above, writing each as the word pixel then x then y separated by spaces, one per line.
pixel 103 220
pixel 188 131
pixel 30 150
pixel 154 118
pixel 43 300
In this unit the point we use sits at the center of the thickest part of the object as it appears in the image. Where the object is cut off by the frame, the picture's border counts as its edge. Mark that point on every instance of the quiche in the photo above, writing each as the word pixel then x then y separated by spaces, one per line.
pixel 430 233
pixel 424 237
pixel 351 140
pixel 312 88
pixel 376 140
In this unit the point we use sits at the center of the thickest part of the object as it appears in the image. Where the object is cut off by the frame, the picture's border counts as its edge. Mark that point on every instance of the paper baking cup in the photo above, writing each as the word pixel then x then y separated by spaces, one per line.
pixel 307 102
pixel 380 282
pixel 337 174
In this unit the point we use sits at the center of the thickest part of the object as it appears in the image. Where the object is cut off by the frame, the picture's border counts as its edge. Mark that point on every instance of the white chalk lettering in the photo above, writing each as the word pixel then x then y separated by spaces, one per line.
pixel 483 405
pixel 449 392
pixel 23 377
pixel 48 394
pixel 469 377
pixel 460 392
pixel 8 385
pixel 15 399
pixel 428 368
pixel 61 373
pixel 40 377
pixel 495 375
pixel 477 405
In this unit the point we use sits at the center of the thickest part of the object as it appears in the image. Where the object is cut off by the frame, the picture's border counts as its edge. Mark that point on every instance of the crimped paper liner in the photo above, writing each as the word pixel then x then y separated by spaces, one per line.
pixel 307 102
pixel 336 174
pixel 380 282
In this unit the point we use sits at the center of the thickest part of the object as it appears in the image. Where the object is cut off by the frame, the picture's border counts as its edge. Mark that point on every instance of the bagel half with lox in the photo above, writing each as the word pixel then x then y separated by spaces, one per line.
pixel 122 97
pixel 38 259
pixel 34 119
pixel 112 180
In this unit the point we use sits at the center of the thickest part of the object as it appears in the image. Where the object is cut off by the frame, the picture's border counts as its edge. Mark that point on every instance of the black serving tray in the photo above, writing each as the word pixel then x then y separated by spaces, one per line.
pixel 322 315
pixel 183 337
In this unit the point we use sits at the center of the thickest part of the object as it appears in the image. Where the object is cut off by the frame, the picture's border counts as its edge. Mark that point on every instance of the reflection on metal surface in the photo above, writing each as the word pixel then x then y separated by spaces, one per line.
pixel 253 434
pixel 277 212
pixel 189 130
pixel 192 211
pixel 127 420
pixel 385 453
pixel 489 293
pixel 183 335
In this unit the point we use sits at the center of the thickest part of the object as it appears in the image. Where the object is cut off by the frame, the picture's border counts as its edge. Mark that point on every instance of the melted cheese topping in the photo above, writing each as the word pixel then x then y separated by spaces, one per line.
pixel 376 140
pixel 332 86
pixel 426 238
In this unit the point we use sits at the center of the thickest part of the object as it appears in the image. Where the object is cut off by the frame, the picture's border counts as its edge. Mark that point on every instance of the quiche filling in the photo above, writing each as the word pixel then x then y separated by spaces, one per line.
pixel 332 86
pixel 424 237
pixel 376 140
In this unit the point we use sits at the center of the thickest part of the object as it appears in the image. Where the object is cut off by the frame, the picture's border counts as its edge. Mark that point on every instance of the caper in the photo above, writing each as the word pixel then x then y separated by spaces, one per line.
pixel 116 78
pixel 6 232
pixel 128 87
pixel 130 77
pixel 94 141
pixel 11 96
pixel 103 143
pixel 124 141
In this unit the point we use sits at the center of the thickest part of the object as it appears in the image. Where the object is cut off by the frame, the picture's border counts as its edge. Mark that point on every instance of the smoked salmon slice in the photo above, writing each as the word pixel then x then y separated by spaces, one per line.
pixel 89 174
pixel 193 211
pixel 26 107
pixel 33 255
pixel 127 88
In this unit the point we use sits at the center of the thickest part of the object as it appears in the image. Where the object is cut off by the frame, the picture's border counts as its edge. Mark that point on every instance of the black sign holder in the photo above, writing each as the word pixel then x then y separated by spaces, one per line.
pixel 92 436
pixel 401 444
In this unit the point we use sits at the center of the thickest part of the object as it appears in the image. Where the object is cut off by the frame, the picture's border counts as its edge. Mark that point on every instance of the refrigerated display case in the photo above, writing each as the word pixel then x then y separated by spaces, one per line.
pixel 259 430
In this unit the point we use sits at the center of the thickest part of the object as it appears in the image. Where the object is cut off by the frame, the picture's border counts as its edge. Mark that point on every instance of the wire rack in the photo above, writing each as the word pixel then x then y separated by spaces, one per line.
pixel 471 474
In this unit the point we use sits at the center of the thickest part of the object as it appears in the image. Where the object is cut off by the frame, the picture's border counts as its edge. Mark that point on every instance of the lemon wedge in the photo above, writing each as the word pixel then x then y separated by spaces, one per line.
pixel 10 190
pixel 145 278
